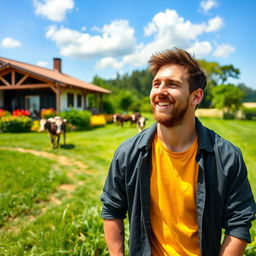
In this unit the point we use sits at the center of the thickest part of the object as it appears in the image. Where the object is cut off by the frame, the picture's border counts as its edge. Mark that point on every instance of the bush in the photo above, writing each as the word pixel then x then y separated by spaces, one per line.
pixel 80 119
pixel 108 107
pixel 249 113
pixel 4 113
pixel 35 126
pixel 15 124
pixel 21 112
pixel 47 113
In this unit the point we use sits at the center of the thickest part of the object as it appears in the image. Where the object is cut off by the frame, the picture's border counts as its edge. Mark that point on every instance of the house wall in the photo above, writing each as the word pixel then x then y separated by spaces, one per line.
pixel 1 99
pixel 64 100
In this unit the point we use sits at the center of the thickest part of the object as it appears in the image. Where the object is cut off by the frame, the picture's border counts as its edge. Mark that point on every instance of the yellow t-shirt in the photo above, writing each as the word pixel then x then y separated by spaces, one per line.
pixel 173 184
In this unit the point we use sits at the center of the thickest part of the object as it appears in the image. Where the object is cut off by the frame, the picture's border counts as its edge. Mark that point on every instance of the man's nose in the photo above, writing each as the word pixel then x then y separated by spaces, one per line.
pixel 162 89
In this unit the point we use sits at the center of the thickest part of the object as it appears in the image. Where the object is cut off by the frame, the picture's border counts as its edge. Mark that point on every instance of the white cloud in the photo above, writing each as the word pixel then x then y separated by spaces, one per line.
pixel 109 62
pixel 115 44
pixel 200 49
pixel 54 10
pixel 171 30
pixel 208 5
pixel 215 24
pixel 223 50
pixel 42 63
pixel 116 39
pixel 8 42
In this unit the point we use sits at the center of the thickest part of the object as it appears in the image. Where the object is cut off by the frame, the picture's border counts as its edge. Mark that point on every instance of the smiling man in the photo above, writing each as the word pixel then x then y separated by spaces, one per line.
pixel 180 182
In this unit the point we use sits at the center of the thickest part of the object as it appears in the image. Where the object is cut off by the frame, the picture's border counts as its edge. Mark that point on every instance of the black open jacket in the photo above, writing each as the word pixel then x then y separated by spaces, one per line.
pixel 224 198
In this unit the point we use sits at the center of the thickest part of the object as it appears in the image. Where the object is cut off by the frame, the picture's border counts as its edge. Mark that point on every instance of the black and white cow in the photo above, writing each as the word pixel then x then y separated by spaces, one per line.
pixel 55 127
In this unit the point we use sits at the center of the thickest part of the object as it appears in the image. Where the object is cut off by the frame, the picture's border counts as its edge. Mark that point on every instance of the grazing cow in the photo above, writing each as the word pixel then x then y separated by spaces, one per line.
pixel 134 118
pixel 115 118
pixel 141 123
pixel 121 119
pixel 55 126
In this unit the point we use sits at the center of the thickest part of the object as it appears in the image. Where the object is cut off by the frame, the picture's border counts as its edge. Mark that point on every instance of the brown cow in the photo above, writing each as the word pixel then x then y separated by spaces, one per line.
pixel 55 127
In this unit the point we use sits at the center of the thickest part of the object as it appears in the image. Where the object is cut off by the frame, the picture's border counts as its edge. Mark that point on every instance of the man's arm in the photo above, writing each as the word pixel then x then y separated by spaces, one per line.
pixel 232 246
pixel 114 236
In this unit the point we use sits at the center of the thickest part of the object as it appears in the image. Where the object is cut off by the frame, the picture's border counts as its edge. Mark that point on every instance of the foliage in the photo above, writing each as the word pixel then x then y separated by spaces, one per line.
pixel 108 107
pixel 98 120
pixel 126 100
pixel 21 112
pixel 35 126
pixel 4 113
pixel 250 94
pixel 47 113
pixel 227 97
pixel 15 124
pixel 251 248
pixel 80 119
pixel 249 113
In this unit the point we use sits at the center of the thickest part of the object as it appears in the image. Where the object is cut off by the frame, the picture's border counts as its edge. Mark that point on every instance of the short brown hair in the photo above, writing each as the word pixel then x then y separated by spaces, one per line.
pixel 196 75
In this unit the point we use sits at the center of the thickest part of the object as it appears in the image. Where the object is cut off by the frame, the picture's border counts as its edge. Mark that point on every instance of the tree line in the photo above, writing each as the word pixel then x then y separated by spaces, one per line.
pixel 130 92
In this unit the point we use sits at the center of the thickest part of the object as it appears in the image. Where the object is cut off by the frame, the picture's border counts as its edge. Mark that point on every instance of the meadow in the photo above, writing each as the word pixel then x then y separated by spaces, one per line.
pixel 49 199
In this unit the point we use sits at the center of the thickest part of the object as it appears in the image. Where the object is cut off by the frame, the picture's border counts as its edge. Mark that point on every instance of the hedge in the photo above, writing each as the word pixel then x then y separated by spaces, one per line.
pixel 15 123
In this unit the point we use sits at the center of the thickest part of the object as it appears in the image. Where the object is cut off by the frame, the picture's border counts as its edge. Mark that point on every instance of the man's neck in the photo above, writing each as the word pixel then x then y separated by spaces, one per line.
pixel 178 138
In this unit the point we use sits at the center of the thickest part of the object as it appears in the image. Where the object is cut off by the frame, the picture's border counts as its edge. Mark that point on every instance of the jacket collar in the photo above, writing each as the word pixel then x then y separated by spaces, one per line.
pixel 204 141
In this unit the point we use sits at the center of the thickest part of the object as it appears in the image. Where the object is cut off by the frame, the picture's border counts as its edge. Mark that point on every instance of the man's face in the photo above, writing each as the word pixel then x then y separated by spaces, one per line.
pixel 170 95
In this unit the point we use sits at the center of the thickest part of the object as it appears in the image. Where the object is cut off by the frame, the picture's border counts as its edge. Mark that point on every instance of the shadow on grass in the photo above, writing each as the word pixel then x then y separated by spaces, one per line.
pixel 68 146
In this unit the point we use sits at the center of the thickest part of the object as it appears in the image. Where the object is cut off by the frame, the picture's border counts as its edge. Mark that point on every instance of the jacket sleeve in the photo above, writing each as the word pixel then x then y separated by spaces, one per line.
pixel 240 205
pixel 114 199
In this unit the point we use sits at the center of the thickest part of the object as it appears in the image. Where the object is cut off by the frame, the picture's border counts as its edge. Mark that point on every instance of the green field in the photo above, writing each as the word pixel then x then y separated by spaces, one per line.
pixel 49 203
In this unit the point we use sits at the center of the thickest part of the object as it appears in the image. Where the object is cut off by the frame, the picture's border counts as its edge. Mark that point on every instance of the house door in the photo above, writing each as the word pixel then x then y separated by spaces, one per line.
pixel 32 104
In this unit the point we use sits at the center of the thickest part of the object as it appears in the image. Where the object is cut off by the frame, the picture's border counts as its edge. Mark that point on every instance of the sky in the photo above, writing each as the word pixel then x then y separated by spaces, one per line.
pixel 106 37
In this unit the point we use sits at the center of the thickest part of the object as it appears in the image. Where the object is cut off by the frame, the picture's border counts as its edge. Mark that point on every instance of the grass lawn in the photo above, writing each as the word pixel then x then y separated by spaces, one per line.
pixel 38 217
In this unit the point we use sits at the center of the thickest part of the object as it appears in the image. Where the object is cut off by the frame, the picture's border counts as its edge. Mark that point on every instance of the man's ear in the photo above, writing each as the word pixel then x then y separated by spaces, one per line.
pixel 197 96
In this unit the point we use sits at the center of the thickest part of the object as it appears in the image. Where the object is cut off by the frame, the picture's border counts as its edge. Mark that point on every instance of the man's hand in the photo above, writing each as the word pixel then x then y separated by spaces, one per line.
pixel 232 246
pixel 114 236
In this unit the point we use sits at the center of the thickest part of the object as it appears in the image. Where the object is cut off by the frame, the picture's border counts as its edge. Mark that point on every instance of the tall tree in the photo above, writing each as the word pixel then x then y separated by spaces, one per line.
pixel 227 97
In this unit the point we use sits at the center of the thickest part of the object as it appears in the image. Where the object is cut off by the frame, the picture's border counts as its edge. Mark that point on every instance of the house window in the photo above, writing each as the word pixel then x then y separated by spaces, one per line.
pixel 79 100
pixel 70 100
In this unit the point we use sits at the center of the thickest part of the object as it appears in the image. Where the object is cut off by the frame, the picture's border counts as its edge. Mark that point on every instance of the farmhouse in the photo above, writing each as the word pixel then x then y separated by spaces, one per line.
pixel 26 86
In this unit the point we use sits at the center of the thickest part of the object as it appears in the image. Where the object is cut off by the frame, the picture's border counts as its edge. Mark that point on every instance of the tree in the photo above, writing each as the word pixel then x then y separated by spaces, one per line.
pixel 227 97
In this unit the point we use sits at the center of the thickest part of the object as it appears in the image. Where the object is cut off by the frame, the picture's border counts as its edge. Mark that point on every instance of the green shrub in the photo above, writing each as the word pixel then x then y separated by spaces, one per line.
pixel 249 113
pixel 108 107
pixel 80 119
pixel 15 123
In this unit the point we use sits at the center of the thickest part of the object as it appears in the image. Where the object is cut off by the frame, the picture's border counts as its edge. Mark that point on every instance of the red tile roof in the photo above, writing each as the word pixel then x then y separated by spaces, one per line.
pixel 53 75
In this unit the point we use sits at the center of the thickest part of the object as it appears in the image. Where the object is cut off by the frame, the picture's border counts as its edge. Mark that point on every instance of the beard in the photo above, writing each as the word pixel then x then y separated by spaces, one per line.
pixel 171 119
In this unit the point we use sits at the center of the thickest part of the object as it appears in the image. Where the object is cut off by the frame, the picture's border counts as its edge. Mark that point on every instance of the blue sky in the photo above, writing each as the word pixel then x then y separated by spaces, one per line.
pixel 105 37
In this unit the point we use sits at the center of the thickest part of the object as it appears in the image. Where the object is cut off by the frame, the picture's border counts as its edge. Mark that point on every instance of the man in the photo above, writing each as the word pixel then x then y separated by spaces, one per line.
pixel 179 182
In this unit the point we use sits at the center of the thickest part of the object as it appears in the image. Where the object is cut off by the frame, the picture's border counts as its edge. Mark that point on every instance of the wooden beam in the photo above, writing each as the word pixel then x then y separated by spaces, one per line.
pixel 13 78
pixel 54 89
pixel 21 87
pixel 22 80
pixel 4 81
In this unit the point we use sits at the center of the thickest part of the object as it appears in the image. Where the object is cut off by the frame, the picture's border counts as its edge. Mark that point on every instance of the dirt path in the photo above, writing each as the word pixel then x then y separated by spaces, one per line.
pixel 77 167
pixel 62 160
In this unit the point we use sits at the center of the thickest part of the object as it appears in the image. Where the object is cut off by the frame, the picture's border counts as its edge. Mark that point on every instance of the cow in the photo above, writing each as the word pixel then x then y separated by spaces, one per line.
pixel 141 123
pixel 134 118
pixel 55 127
pixel 121 119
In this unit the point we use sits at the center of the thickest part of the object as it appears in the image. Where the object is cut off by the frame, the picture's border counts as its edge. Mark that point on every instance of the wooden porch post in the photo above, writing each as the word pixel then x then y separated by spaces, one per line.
pixel 101 103
pixel 58 99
